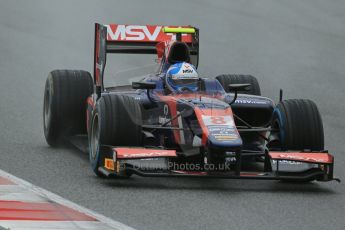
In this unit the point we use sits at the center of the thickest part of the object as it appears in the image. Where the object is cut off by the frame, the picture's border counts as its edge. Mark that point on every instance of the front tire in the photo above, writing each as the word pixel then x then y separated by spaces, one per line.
pixel 116 121
pixel 297 125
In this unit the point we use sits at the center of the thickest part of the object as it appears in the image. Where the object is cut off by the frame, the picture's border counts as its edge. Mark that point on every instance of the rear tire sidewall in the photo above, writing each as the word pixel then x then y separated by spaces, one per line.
pixel 64 105
pixel 53 129
pixel 47 110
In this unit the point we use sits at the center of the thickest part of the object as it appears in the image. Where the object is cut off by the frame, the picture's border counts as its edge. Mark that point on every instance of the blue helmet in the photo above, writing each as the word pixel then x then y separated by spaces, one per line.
pixel 182 77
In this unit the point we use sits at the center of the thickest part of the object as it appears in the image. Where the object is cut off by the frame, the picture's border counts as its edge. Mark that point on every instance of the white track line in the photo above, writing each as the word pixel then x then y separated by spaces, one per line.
pixel 35 190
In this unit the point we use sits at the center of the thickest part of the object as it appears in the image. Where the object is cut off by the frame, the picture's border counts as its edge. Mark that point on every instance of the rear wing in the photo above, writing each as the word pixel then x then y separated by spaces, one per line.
pixel 136 39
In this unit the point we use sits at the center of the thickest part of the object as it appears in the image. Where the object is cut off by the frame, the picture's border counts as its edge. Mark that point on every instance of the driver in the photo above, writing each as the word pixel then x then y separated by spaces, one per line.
pixel 182 77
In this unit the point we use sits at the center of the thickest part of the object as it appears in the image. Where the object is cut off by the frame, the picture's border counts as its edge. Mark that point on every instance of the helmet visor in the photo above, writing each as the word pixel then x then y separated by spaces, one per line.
pixel 184 82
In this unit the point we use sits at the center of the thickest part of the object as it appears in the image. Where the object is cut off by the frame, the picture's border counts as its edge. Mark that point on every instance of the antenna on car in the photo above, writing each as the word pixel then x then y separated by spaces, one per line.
pixel 280 94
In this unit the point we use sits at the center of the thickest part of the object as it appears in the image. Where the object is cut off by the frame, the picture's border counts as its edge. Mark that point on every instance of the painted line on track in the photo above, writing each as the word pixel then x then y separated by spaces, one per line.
pixel 26 206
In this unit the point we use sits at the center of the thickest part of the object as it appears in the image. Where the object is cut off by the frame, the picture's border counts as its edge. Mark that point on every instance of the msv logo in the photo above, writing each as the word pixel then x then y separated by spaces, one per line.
pixel 133 32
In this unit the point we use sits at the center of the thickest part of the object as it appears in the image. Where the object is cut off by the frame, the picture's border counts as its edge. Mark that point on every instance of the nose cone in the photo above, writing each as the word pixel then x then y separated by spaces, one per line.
pixel 222 132
pixel 219 128
pixel 229 140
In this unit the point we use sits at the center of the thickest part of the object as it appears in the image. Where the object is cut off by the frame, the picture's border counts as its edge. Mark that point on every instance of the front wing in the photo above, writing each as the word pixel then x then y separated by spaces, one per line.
pixel 292 166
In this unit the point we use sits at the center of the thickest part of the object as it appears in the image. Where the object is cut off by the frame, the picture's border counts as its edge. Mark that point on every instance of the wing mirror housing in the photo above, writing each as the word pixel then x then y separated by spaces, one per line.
pixel 143 85
pixel 238 87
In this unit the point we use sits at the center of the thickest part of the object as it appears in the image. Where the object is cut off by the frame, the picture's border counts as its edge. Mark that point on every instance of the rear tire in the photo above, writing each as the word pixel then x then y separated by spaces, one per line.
pixel 226 79
pixel 116 121
pixel 64 105
pixel 298 126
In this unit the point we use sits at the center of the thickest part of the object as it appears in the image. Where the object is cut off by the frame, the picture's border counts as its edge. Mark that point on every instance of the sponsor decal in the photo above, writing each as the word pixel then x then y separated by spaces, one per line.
pixel 224 130
pixel 249 101
pixel 312 157
pixel 147 154
pixel 147 33
pixel 222 133
pixel 163 120
pixel 218 120
pixel 225 137
pixel 181 71
pixel 287 162
pixel 132 32
pixel 187 71
pixel 302 158
pixel 183 77
pixel 143 153
pixel 109 164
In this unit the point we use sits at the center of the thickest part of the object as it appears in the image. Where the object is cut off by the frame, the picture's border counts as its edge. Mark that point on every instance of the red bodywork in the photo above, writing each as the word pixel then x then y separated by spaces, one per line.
pixel 315 157
pixel 138 153
pixel 218 115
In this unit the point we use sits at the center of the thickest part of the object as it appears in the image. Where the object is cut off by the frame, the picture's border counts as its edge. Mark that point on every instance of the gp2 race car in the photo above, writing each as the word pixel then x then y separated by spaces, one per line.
pixel 224 130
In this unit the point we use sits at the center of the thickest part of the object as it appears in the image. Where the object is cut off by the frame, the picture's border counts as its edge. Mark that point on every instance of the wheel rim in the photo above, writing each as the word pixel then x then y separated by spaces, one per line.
pixel 94 137
pixel 47 105
pixel 275 136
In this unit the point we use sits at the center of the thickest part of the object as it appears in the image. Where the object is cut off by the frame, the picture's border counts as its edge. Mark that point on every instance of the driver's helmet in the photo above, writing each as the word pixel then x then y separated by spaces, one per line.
pixel 182 77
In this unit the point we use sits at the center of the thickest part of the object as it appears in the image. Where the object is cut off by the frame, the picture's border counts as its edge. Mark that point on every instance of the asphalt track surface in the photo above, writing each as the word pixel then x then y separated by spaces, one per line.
pixel 295 45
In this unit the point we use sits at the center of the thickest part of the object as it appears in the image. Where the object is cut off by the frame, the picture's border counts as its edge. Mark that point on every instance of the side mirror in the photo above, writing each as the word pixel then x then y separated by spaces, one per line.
pixel 236 88
pixel 143 85
pixel 239 87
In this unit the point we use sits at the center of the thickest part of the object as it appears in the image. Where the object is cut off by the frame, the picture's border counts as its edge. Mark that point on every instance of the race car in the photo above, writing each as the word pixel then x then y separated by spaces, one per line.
pixel 175 123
